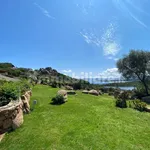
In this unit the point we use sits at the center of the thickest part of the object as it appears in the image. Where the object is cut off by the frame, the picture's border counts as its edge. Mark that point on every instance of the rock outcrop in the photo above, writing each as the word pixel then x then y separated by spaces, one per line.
pixel 63 93
pixel 85 92
pixel 69 88
pixel 71 92
pixel 94 92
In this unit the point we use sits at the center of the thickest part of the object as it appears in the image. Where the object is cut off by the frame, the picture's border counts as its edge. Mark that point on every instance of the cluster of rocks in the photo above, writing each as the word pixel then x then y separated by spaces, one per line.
pixel 68 87
pixel 25 101
pixel 71 92
pixel 11 115
pixel 63 93
pixel 92 92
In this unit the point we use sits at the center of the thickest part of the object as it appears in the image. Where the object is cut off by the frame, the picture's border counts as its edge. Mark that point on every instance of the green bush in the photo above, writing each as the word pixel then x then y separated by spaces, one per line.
pixel 58 99
pixel 111 93
pixel 138 105
pixel 104 89
pixel 124 95
pixel 23 86
pixel 140 91
pixel 121 99
pixel 12 90
pixel 116 93
pixel 2 82
pixel 121 103
pixel 54 84
pixel 8 92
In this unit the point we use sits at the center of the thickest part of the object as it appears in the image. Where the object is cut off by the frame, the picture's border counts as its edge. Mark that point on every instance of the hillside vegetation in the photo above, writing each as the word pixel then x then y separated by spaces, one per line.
pixel 45 76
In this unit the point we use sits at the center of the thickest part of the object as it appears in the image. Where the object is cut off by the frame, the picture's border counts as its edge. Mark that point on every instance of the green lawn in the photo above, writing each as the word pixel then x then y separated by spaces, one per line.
pixel 85 122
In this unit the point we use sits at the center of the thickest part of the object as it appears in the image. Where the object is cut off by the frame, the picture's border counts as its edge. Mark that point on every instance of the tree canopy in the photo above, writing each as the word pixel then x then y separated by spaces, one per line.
pixel 135 66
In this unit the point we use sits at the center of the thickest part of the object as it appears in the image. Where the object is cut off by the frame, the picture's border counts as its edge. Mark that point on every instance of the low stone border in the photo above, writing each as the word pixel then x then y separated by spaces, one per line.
pixel 11 115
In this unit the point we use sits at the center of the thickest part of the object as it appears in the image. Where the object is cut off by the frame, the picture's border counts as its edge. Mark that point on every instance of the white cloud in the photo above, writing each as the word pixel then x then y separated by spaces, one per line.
pixel 44 11
pixel 66 71
pixel 111 73
pixel 111 48
pixel 86 7
pixel 138 20
pixel 124 7
pixel 115 59
pixel 107 42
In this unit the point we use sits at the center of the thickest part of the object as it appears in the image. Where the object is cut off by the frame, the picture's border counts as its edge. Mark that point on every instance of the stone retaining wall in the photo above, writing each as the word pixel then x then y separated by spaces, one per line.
pixel 11 115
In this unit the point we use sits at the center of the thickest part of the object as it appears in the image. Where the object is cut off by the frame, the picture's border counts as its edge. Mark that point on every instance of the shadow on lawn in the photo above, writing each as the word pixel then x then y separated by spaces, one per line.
pixel 52 103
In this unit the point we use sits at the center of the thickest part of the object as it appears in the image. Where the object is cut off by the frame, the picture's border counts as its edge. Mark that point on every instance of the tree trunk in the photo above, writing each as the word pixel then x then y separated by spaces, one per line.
pixel 146 87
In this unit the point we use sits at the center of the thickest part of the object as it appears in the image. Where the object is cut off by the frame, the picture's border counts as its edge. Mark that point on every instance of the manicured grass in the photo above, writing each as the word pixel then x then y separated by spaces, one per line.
pixel 85 122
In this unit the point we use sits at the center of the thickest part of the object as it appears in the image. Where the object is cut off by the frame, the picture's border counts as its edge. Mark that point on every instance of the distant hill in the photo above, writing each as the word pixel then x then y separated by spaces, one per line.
pixel 46 76
pixel 123 84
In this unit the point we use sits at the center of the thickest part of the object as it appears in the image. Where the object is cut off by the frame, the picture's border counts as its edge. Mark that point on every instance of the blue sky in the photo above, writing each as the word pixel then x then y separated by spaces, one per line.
pixel 73 36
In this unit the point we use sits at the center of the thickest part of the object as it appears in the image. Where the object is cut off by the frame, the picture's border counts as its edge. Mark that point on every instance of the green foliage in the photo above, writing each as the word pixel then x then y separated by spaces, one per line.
pixel 124 95
pixel 54 84
pixel 121 99
pixel 47 76
pixel 23 86
pixel 58 99
pixel 8 92
pixel 77 86
pixel 139 105
pixel 140 91
pixel 12 90
pixel 6 65
pixel 2 82
pixel 104 90
pixel 121 103
pixel 134 66
pixel 111 93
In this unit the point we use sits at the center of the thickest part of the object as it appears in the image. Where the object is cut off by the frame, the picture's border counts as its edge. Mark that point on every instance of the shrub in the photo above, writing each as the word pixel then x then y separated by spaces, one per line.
pixel 77 86
pixel 111 89
pixel 124 95
pixel 58 99
pixel 2 82
pixel 23 86
pixel 138 105
pixel 111 93
pixel 54 84
pixel 8 92
pixel 116 93
pixel 121 103
pixel 104 90
pixel 121 99
pixel 139 92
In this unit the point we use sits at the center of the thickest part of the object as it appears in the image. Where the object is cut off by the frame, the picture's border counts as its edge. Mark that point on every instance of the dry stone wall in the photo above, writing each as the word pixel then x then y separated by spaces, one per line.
pixel 11 115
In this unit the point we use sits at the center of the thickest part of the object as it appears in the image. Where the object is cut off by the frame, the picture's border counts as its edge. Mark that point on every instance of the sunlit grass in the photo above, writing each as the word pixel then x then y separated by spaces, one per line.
pixel 85 122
